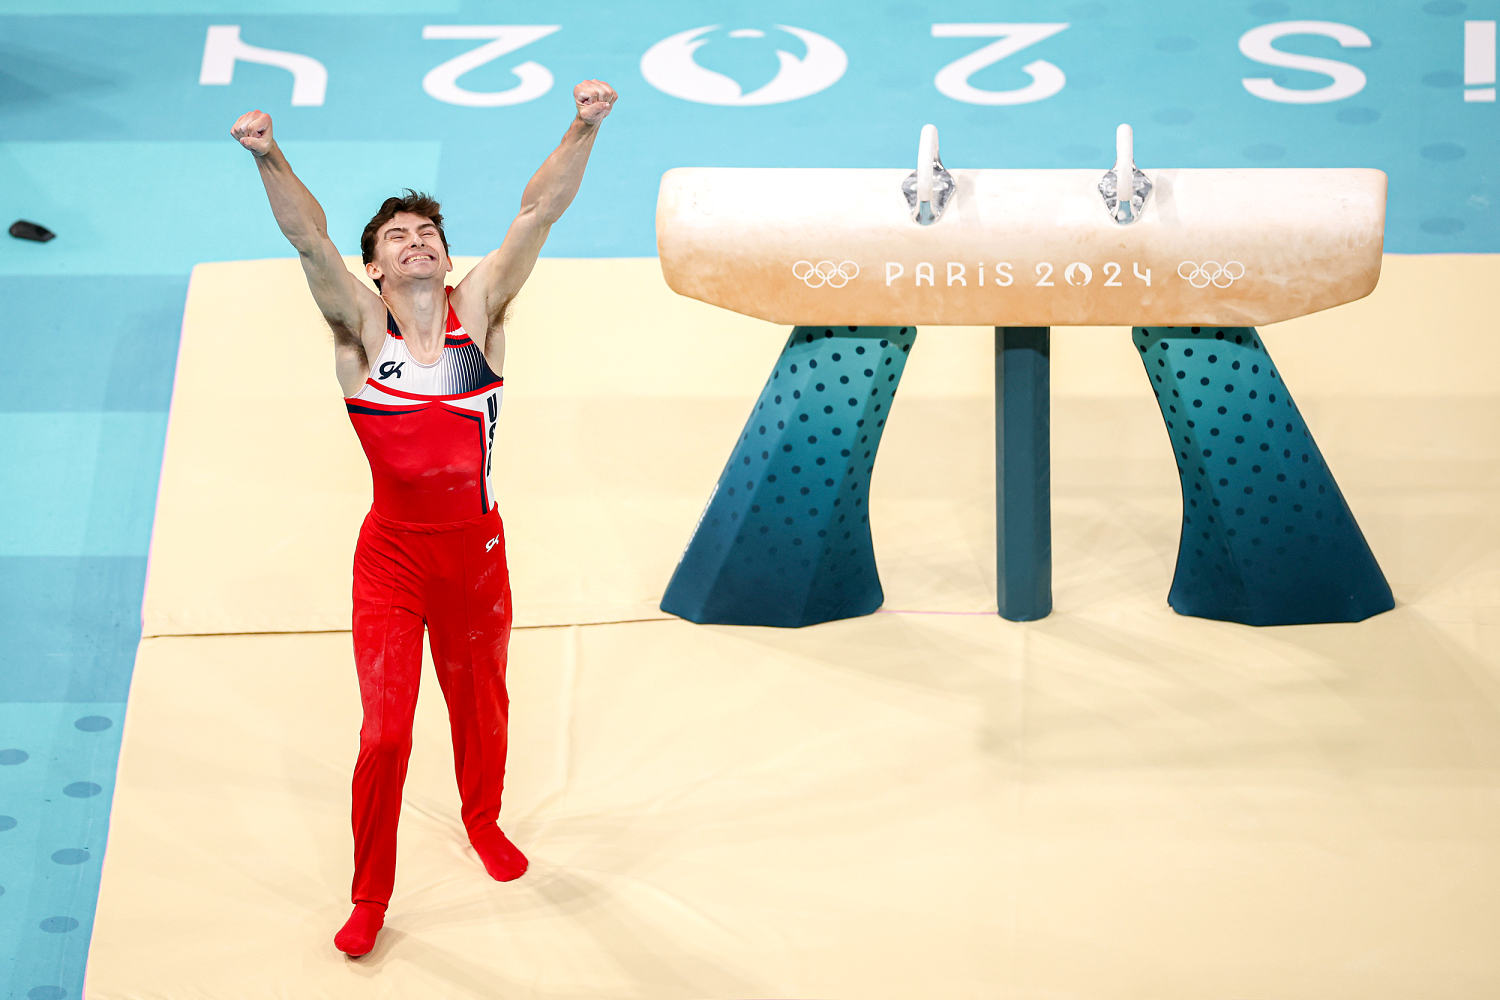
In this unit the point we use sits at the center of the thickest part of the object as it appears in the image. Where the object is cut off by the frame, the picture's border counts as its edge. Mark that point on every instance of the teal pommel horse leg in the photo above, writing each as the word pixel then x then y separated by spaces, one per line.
pixel 1193 259
pixel 785 537
pixel 1267 538
pixel 1023 472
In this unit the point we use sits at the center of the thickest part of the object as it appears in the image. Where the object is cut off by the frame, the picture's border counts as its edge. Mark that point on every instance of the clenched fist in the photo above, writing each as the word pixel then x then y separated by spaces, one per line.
pixel 594 98
pixel 253 130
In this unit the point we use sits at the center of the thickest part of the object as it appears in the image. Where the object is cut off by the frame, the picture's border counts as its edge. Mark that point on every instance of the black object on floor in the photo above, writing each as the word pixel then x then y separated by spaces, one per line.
pixel 23 230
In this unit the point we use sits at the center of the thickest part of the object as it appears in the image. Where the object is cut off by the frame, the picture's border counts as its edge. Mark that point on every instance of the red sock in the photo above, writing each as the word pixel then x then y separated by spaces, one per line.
pixel 502 859
pixel 357 936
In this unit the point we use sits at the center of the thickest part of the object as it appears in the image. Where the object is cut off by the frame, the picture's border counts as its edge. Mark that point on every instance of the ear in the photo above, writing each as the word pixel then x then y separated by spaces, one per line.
pixel 374 271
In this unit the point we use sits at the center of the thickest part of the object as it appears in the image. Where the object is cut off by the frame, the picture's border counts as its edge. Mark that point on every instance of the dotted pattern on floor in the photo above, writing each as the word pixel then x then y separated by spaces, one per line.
pixel 785 538
pixel 56 767
pixel 1267 538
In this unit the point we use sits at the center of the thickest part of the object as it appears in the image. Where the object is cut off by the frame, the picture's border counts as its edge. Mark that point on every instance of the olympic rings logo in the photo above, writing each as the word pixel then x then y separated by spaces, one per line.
pixel 825 272
pixel 1211 272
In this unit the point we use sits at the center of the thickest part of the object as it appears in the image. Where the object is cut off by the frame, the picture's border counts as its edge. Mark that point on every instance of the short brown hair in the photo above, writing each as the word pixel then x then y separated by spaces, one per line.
pixel 414 202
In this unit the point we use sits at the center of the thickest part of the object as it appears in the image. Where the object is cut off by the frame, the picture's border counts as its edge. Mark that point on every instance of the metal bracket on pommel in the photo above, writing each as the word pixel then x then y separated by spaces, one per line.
pixel 1192 259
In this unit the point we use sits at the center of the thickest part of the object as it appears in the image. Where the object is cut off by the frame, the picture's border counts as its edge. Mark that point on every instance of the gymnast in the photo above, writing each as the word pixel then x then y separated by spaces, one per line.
pixel 420 365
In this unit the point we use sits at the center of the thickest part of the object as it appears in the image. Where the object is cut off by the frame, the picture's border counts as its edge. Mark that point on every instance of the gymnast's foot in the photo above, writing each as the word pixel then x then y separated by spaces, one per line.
pixel 357 936
pixel 502 859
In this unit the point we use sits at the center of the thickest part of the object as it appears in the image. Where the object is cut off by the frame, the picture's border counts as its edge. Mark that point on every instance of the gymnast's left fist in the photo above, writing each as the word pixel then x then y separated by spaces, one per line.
pixel 595 99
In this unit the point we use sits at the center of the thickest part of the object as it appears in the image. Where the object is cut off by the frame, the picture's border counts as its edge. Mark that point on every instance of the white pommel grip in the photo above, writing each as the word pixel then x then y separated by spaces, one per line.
pixel 1124 160
pixel 927 155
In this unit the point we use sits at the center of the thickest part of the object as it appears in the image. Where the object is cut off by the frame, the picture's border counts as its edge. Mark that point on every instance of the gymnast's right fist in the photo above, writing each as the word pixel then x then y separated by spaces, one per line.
pixel 253 130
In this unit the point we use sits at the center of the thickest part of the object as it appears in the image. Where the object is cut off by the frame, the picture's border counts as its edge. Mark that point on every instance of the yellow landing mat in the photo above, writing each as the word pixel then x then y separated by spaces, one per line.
pixel 622 404
pixel 1116 804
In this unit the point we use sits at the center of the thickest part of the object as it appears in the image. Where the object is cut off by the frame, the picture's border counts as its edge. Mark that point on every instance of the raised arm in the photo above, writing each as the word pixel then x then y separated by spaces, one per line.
pixel 489 288
pixel 346 304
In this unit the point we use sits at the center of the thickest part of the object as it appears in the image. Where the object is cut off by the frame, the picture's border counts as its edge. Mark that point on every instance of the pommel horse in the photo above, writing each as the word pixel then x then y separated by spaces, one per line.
pixel 1193 260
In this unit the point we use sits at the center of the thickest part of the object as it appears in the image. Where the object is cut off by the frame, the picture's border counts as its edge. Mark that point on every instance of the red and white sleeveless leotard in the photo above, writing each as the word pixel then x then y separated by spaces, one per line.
pixel 430 557
pixel 428 430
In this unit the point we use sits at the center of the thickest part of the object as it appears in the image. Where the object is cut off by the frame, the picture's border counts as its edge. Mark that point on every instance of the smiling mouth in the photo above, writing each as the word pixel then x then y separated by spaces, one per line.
pixel 421 256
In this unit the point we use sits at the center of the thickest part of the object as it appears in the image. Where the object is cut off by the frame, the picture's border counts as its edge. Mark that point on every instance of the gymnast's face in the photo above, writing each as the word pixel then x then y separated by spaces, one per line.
pixel 408 248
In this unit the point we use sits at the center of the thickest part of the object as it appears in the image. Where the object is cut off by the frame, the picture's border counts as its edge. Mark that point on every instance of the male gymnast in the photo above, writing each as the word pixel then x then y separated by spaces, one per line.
pixel 420 366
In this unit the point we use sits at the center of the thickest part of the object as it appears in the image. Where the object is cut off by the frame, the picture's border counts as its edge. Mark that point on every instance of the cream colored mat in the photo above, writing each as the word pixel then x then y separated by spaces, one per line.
pixel 1118 804
pixel 1115 803
pixel 623 401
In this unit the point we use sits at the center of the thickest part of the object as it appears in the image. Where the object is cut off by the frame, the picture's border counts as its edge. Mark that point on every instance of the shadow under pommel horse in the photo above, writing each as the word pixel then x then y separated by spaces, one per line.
pixel 1192 260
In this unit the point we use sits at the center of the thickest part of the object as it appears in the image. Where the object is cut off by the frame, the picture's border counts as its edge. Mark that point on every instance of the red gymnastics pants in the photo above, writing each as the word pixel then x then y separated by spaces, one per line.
pixel 452 578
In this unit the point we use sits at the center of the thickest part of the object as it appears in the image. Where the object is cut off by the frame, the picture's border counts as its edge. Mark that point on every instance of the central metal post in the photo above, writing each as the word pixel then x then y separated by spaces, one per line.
pixel 1023 477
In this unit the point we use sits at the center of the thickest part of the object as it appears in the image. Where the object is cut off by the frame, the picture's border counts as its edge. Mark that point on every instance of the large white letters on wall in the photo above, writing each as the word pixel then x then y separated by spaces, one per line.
pixel 953 80
pixel 535 79
pixel 1347 80
pixel 670 68
pixel 222 48
pixel 1479 61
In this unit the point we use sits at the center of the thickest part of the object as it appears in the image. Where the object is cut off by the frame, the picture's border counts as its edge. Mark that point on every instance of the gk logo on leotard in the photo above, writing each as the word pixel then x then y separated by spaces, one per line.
pixel 492 543
pixel 390 368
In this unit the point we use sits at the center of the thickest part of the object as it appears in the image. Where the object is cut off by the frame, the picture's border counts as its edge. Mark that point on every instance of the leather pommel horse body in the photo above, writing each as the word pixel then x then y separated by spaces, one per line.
pixel 1203 258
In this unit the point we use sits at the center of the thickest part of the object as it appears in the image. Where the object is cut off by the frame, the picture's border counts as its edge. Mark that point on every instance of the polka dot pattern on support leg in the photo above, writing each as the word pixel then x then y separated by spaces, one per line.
pixel 1266 535
pixel 785 539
